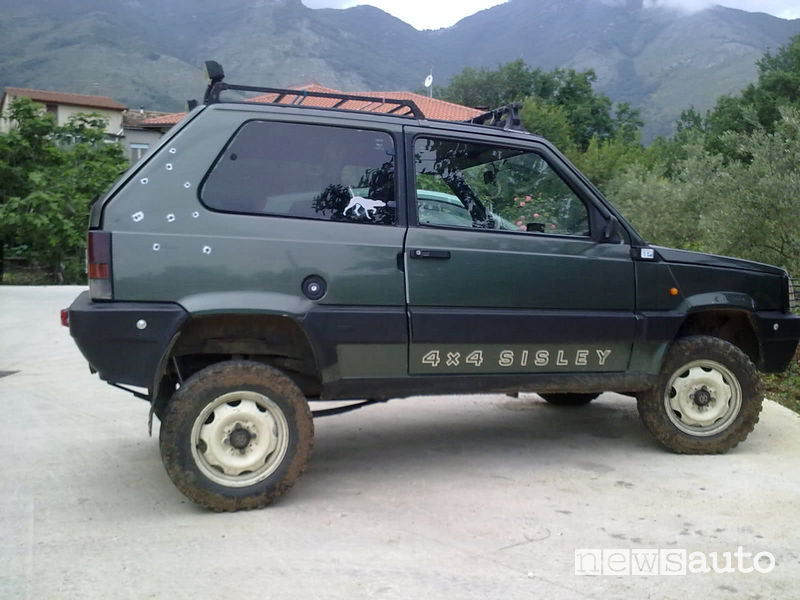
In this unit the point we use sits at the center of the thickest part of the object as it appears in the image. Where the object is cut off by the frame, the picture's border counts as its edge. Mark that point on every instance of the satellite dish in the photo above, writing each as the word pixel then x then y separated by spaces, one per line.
pixel 429 81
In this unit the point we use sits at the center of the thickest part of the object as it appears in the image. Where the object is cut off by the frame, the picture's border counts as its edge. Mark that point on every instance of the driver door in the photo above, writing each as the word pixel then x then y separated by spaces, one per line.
pixel 504 274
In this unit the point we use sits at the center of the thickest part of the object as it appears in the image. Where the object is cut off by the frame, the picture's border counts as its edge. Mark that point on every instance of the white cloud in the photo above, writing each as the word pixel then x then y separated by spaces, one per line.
pixel 683 5
pixel 422 14
pixel 433 14
pixel 779 8
pixel 785 9
pixel 329 3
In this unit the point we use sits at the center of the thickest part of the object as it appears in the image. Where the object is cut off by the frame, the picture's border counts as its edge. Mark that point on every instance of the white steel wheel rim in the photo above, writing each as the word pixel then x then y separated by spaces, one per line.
pixel 702 398
pixel 239 439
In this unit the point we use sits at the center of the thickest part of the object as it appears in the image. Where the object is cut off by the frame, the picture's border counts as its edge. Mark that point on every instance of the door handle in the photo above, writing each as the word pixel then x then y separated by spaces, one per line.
pixel 423 253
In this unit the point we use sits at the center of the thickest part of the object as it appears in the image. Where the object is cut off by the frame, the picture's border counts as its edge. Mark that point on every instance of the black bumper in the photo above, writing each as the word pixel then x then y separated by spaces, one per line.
pixel 778 334
pixel 111 337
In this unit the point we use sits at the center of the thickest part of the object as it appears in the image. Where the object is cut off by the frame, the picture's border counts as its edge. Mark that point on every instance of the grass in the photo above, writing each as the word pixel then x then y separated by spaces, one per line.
pixel 24 275
pixel 19 271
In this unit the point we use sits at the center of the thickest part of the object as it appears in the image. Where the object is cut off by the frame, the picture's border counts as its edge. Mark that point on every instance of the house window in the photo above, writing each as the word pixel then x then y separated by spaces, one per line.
pixel 138 151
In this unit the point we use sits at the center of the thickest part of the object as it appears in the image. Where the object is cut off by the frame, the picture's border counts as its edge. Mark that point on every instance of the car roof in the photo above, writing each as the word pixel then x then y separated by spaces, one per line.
pixel 375 118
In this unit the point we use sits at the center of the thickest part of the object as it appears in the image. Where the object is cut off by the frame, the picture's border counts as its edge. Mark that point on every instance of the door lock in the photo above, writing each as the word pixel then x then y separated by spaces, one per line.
pixel 423 253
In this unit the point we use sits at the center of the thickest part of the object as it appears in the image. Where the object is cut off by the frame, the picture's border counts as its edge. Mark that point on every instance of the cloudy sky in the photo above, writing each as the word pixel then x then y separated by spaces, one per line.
pixel 433 14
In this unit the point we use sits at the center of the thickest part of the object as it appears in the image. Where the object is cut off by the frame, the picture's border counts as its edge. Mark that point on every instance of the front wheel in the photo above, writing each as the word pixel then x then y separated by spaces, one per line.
pixel 236 435
pixel 707 397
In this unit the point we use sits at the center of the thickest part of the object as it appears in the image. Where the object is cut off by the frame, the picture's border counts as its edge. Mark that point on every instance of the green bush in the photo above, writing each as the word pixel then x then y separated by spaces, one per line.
pixel 49 174
pixel 745 208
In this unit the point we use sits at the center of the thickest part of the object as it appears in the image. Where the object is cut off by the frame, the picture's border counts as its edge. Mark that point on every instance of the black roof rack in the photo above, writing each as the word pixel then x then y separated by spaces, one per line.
pixel 506 117
pixel 371 103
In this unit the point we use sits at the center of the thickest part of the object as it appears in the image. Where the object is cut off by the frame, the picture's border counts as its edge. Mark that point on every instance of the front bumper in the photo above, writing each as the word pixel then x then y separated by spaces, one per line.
pixel 778 335
pixel 124 341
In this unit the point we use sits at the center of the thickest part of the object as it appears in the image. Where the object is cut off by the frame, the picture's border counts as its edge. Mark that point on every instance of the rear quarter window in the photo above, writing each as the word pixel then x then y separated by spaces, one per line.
pixel 305 171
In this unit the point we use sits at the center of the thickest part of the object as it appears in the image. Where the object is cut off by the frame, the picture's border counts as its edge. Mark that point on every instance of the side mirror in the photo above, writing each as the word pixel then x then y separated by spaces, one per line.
pixel 534 227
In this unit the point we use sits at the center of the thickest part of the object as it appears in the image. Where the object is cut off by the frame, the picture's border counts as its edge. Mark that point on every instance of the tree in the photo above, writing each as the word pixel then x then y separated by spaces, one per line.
pixel 759 105
pixel 663 154
pixel 48 176
pixel 778 82
pixel 603 159
pixel 565 94
pixel 28 145
pixel 487 88
pixel 667 211
pixel 738 207
pixel 550 121
pixel 589 113
pixel 757 207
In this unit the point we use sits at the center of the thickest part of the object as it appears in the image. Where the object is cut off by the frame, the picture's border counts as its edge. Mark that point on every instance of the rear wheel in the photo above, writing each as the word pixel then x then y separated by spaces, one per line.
pixel 236 435
pixel 707 398
pixel 569 399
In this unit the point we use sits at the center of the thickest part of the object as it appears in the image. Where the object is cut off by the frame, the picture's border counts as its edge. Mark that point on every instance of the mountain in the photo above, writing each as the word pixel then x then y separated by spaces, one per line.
pixel 660 60
pixel 149 52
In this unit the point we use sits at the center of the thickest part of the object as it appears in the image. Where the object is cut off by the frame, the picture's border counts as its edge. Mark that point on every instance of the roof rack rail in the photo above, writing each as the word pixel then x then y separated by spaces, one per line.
pixel 506 117
pixel 216 86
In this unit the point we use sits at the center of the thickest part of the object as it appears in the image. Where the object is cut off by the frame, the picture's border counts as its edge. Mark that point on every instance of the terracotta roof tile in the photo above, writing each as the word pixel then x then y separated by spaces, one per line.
pixel 49 97
pixel 169 119
pixel 134 118
pixel 432 108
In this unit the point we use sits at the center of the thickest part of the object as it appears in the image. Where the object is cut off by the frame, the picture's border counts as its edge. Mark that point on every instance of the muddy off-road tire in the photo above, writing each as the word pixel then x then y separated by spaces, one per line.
pixel 569 399
pixel 236 435
pixel 707 398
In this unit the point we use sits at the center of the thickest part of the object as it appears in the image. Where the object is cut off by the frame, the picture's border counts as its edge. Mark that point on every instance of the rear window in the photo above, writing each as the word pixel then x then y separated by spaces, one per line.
pixel 305 171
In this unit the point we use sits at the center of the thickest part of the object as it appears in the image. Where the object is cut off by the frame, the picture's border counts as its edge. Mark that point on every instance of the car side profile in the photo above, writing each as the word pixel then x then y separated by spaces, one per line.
pixel 265 254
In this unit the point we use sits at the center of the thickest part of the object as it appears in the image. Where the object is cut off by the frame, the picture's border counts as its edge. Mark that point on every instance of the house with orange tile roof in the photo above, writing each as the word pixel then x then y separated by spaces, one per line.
pixel 138 136
pixel 63 105
pixel 123 125
pixel 432 108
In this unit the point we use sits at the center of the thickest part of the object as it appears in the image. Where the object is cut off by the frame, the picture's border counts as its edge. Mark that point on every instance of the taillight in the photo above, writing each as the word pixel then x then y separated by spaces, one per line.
pixel 99 265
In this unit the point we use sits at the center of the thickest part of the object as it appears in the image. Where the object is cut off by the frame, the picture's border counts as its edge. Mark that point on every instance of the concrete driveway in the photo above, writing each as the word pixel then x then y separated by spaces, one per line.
pixel 446 497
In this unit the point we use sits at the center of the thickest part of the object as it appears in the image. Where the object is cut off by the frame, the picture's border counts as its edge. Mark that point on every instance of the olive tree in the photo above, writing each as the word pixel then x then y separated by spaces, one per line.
pixel 742 207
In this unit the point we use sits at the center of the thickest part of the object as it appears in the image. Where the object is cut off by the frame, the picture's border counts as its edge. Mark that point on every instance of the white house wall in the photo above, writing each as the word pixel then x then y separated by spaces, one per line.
pixel 63 114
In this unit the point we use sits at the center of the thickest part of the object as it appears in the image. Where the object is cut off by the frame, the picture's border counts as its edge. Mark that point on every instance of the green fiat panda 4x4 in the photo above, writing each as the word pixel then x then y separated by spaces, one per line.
pixel 269 252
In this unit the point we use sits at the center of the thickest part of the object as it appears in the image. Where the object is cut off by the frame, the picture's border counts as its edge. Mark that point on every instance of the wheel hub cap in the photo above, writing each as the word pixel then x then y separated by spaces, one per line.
pixel 703 398
pixel 240 438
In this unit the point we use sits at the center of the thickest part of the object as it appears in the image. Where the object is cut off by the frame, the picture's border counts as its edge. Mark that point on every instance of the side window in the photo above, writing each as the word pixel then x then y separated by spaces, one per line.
pixel 471 185
pixel 308 171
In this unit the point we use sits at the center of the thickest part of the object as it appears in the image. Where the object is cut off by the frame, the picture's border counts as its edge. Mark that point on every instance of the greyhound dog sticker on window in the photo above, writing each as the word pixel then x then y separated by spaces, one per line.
pixel 367 206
